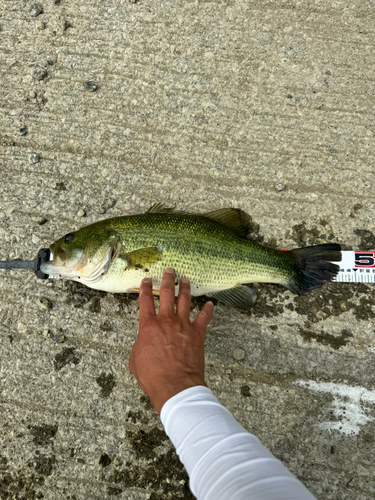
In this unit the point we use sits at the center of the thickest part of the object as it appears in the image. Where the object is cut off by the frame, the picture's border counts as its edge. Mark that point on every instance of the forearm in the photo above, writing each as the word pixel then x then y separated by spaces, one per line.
pixel 223 460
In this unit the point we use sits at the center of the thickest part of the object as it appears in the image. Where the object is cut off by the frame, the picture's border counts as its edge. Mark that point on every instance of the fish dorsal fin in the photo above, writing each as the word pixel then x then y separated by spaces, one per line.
pixel 241 297
pixel 234 218
pixel 161 208
pixel 142 258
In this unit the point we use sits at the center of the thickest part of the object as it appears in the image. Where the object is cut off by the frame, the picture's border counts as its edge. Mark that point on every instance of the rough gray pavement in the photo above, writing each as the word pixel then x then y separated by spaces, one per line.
pixel 108 107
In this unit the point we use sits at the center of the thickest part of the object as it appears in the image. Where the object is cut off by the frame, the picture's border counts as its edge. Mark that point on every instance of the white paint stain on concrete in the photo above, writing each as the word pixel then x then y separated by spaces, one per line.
pixel 352 405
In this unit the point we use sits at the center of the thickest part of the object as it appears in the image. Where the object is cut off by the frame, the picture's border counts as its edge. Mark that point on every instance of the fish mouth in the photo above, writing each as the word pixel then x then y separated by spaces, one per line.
pixel 56 269
pixel 100 271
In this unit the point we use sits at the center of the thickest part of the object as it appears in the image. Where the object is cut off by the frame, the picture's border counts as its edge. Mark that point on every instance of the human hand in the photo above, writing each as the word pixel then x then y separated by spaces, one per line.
pixel 168 355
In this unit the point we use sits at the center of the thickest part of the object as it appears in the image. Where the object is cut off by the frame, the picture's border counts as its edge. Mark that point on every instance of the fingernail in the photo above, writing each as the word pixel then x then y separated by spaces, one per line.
pixel 169 271
pixel 146 281
pixel 184 281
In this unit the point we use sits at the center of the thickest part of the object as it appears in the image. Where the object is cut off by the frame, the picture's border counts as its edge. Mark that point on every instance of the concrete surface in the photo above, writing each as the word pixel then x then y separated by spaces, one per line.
pixel 108 107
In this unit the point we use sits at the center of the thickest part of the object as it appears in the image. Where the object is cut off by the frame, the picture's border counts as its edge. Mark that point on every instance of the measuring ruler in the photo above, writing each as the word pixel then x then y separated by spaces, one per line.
pixel 356 266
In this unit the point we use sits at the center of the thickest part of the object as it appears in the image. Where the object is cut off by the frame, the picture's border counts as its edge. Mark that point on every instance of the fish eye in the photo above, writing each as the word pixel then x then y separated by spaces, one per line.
pixel 68 237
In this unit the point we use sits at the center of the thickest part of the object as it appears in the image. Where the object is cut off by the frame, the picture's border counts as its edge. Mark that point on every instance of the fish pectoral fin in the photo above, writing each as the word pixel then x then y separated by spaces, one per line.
pixel 235 219
pixel 143 257
pixel 241 297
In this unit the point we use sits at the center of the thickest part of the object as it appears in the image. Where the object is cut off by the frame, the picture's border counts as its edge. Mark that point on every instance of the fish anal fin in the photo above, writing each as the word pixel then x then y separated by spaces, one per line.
pixel 234 218
pixel 142 258
pixel 241 297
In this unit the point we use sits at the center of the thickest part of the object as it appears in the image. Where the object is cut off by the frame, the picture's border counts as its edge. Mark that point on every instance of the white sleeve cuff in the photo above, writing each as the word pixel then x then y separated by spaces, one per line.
pixel 223 460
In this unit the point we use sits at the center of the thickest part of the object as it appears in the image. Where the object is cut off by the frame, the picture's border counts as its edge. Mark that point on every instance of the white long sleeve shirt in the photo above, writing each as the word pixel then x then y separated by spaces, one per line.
pixel 223 460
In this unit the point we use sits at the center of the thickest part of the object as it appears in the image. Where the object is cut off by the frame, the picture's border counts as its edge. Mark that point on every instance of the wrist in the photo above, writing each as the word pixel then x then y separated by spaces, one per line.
pixel 164 392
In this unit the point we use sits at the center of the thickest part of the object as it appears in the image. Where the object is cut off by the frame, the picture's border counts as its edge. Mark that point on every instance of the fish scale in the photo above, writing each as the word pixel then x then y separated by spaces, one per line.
pixel 209 254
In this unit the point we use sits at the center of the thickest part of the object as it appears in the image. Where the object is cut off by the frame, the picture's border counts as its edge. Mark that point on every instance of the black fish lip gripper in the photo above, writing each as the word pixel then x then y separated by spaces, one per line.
pixel 43 256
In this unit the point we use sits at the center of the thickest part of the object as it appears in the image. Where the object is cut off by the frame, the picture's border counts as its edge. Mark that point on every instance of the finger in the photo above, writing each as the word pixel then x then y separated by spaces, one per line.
pixel 184 298
pixel 167 293
pixel 204 317
pixel 146 300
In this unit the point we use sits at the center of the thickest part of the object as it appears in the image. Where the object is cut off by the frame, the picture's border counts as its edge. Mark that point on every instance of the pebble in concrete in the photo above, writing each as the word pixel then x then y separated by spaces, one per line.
pixel 35 10
pixel 91 86
pixel 35 239
pixel 39 73
pixel 33 158
pixel 44 303
pixel 58 339
pixel 238 354
pixel 41 25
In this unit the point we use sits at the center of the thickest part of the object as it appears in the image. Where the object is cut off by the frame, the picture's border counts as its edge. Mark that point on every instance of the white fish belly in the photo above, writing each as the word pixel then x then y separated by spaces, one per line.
pixel 119 280
pixel 115 284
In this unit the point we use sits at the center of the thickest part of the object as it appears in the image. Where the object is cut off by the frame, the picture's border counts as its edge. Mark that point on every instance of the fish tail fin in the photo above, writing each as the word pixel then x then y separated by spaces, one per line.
pixel 314 267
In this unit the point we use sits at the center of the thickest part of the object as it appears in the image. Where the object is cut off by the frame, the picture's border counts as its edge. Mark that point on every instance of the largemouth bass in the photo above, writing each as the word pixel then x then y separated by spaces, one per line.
pixel 211 250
